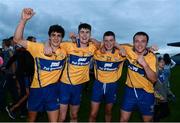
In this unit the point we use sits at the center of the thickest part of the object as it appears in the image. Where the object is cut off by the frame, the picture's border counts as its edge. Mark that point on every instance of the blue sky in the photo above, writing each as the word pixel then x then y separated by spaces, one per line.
pixel 159 18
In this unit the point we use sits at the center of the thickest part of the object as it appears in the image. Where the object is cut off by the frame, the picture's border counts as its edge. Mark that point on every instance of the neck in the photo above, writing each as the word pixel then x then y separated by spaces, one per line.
pixel 54 48
pixel 142 53
pixel 109 51
pixel 83 45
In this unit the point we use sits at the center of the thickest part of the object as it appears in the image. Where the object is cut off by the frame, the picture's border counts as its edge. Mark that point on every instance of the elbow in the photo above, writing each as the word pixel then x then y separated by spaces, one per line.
pixel 154 79
pixel 15 40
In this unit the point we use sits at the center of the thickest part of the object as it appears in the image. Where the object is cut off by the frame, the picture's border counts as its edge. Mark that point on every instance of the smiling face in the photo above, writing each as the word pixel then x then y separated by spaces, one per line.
pixel 84 35
pixel 55 39
pixel 109 42
pixel 140 43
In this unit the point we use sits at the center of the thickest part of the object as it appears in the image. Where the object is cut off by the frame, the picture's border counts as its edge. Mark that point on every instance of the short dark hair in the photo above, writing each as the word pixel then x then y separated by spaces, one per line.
pixel 7 42
pixel 109 33
pixel 160 58
pixel 56 28
pixel 29 38
pixel 167 59
pixel 85 26
pixel 10 38
pixel 141 33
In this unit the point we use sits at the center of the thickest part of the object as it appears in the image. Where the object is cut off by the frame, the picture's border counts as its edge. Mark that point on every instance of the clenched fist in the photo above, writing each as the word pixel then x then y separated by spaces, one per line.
pixel 27 13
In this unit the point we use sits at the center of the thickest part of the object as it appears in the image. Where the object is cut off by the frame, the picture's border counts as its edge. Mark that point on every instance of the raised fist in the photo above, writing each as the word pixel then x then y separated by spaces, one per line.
pixel 27 13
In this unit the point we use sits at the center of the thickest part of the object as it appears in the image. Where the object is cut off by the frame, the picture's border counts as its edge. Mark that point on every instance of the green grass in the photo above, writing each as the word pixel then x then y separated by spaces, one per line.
pixel 85 104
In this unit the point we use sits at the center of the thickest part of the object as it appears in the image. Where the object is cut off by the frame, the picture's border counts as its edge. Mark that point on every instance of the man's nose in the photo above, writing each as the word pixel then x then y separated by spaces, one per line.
pixel 55 37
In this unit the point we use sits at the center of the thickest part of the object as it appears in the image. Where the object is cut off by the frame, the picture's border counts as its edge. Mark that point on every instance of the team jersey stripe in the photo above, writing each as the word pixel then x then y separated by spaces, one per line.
pixel 50 65
pixel 38 66
pixel 79 61
pixel 107 66
pixel 136 69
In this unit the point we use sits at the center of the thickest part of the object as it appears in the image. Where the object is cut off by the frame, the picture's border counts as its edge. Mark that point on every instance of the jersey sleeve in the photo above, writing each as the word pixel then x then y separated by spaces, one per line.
pixel 153 63
pixel 32 47
pixel 65 45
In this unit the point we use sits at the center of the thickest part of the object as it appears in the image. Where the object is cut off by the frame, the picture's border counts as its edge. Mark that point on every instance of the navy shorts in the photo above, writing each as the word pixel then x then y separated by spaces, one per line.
pixel 144 101
pixel 106 91
pixel 43 99
pixel 70 94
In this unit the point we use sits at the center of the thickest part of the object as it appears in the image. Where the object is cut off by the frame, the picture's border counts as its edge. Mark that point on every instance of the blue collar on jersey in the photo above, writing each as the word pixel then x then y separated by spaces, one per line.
pixel 78 43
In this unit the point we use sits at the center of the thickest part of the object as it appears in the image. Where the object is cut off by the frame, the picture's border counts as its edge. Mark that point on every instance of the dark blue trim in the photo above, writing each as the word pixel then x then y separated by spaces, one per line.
pixel 38 70
pixel 79 60
pixel 136 69
pixel 50 65
pixel 78 43
pixel 107 66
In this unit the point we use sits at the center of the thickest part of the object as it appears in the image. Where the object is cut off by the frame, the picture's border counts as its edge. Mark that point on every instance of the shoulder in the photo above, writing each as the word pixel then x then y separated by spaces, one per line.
pixel 98 52
pixel 126 46
pixel 92 46
pixel 33 47
pixel 152 55
pixel 65 44
pixel 34 44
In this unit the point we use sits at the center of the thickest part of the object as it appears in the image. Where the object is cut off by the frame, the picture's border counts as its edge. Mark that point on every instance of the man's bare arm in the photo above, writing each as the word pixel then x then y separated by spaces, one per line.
pixel 27 13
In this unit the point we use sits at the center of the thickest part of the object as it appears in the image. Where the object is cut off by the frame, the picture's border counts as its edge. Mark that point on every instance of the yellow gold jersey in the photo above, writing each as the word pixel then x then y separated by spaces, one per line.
pixel 136 74
pixel 78 62
pixel 108 66
pixel 47 69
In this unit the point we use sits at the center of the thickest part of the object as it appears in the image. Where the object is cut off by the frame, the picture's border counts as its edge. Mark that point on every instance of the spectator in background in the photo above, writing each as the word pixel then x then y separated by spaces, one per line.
pixel 8 81
pixel 24 74
pixel 161 92
pixel 12 43
pixel 1 82
pixel 169 63
pixel 31 38
pixel 1 61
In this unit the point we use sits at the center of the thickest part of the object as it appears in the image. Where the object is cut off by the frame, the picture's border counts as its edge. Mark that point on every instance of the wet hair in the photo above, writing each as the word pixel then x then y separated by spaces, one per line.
pixel 167 59
pixel 160 58
pixel 7 42
pixel 84 26
pixel 30 38
pixel 109 33
pixel 141 33
pixel 10 38
pixel 56 28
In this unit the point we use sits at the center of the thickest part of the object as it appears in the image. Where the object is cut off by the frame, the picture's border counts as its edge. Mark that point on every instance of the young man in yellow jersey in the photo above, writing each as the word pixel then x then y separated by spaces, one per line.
pixel 43 94
pixel 108 68
pixel 76 72
pixel 141 75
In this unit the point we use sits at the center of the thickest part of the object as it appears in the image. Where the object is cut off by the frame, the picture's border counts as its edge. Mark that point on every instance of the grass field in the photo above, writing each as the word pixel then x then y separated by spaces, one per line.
pixel 85 104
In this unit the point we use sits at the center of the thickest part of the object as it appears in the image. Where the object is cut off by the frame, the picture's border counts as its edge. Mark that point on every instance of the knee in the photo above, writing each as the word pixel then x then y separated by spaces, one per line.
pixel 74 116
pixel 31 118
pixel 93 116
pixel 62 118
pixel 108 112
pixel 124 119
